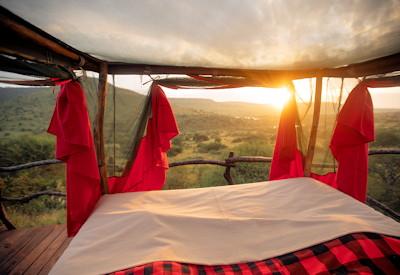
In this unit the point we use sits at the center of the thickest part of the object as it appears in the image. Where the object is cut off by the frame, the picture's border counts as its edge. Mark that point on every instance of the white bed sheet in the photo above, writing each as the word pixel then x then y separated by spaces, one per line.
pixel 215 225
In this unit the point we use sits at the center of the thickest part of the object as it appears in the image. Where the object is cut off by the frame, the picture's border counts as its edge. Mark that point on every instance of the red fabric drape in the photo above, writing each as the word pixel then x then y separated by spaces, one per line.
pixel 328 178
pixel 71 126
pixel 349 144
pixel 287 161
pixel 151 162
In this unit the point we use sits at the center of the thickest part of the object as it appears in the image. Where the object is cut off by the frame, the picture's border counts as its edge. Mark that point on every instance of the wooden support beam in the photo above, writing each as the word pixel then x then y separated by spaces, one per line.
pixel 98 127
pixel 314 128
pixel 24 48
pixel 4 219
pixel 24 67
pixel 227 174
pixel 36 37
pixel 219 82
pixel 380 65
pixel 32 43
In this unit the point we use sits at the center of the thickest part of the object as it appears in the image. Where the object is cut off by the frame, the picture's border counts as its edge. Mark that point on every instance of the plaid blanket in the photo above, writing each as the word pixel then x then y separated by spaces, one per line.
pixel 359 253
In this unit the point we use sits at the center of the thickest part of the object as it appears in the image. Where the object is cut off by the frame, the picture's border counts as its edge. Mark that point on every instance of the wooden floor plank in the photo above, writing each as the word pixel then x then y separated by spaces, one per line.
pixel 46 269
pixel 33 250
pixel 13 244
pixel 48 253
pixel 6 233
pixel 8 242
pixel 32 256
pixel 35 238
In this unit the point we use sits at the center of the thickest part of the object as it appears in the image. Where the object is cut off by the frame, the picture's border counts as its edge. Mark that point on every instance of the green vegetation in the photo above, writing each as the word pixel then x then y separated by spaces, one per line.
pixel 45 210
pixel 384 170
pixel 209 130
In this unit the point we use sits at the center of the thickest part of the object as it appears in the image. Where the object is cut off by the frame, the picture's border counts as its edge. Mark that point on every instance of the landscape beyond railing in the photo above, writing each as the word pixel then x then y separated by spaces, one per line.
pixel 228 163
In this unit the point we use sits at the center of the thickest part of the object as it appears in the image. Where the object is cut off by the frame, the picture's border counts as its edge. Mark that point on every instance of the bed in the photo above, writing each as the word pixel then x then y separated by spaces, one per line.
pixel 278 226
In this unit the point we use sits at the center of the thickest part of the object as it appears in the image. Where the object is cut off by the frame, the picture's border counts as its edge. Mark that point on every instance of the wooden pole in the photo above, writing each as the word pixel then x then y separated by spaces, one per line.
pixel 314 128
pixel 98 126
pixel 371 67
pixel 34 36
pixel 4 219
pixel 227 174
pixel 24 37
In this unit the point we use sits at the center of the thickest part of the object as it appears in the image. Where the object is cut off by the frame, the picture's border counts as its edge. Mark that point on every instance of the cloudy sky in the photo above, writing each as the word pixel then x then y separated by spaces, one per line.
pixel 269 34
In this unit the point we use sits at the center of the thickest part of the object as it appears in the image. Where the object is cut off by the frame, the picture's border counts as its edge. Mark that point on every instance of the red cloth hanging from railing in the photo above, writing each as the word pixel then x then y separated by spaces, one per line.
pixel 148 170
pixel 349 143
pixel 70 124
pixel 287 160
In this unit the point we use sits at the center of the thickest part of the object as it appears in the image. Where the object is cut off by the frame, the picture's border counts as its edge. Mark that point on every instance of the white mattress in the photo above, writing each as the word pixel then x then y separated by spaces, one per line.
pixel 216 225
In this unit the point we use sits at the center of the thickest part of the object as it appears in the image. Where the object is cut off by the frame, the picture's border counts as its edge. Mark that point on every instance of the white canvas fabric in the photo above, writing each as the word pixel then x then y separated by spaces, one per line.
pixel 247 34
pixel 216 225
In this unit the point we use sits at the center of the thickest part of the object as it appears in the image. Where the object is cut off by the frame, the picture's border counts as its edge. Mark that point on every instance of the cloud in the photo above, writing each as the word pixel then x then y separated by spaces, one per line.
pixel 235 34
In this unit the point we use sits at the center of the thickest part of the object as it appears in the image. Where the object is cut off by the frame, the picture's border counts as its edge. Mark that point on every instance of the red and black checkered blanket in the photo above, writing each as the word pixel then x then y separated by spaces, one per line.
pixel 359 253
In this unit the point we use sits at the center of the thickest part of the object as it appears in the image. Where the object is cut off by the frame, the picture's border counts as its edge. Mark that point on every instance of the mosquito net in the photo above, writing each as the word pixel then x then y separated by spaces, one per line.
pixel 126 115
pixel 334 94
pixel 124 118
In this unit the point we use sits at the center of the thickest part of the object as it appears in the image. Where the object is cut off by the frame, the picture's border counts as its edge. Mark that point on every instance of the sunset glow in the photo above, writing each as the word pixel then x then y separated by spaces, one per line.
pixel 274 97
pixel 383 98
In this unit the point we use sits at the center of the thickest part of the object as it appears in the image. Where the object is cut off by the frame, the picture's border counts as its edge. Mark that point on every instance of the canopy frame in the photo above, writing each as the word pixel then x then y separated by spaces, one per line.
pixel 28 42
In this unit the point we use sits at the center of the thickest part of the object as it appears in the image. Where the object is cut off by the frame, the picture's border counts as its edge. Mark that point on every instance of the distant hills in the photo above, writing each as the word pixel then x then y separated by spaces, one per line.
pixel 238 109
pixel 29 110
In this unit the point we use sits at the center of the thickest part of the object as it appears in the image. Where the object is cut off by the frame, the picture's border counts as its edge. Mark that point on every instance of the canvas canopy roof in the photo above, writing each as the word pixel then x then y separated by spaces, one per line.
pixel 257 35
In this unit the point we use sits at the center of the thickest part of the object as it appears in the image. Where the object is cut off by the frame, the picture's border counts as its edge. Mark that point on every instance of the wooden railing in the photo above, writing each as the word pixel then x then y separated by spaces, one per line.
pixel 19 167
pixel 228 163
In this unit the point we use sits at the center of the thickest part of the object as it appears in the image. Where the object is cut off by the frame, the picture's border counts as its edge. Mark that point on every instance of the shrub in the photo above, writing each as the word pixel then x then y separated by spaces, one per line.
pixel 24 149
pixel 252 172
pixel 210 147
pixel 175 150
pixel 200 137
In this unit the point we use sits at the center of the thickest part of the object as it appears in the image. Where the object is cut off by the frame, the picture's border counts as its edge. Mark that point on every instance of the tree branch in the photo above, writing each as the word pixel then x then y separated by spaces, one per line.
pixel 29 165
pixel 28 198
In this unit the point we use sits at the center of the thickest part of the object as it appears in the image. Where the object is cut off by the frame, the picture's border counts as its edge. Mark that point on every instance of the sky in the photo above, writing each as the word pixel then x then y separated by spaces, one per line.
pixel 253 34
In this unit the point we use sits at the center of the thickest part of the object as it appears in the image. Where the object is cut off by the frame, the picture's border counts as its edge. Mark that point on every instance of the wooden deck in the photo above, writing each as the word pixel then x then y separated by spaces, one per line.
pixel 33 250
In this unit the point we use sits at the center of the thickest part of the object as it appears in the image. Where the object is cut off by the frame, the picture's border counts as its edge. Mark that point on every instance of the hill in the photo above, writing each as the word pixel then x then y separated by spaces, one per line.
pixel 235 109
pixel 29 110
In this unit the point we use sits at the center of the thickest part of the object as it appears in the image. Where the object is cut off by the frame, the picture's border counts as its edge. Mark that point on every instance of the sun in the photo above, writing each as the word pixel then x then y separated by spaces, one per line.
pixel 272 97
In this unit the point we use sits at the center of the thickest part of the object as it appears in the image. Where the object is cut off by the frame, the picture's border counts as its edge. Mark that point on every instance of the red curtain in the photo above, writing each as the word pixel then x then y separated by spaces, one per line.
pixel 287 160
pixel 349 143
pixel 74 145
pixel 353 131
pixel 149 168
